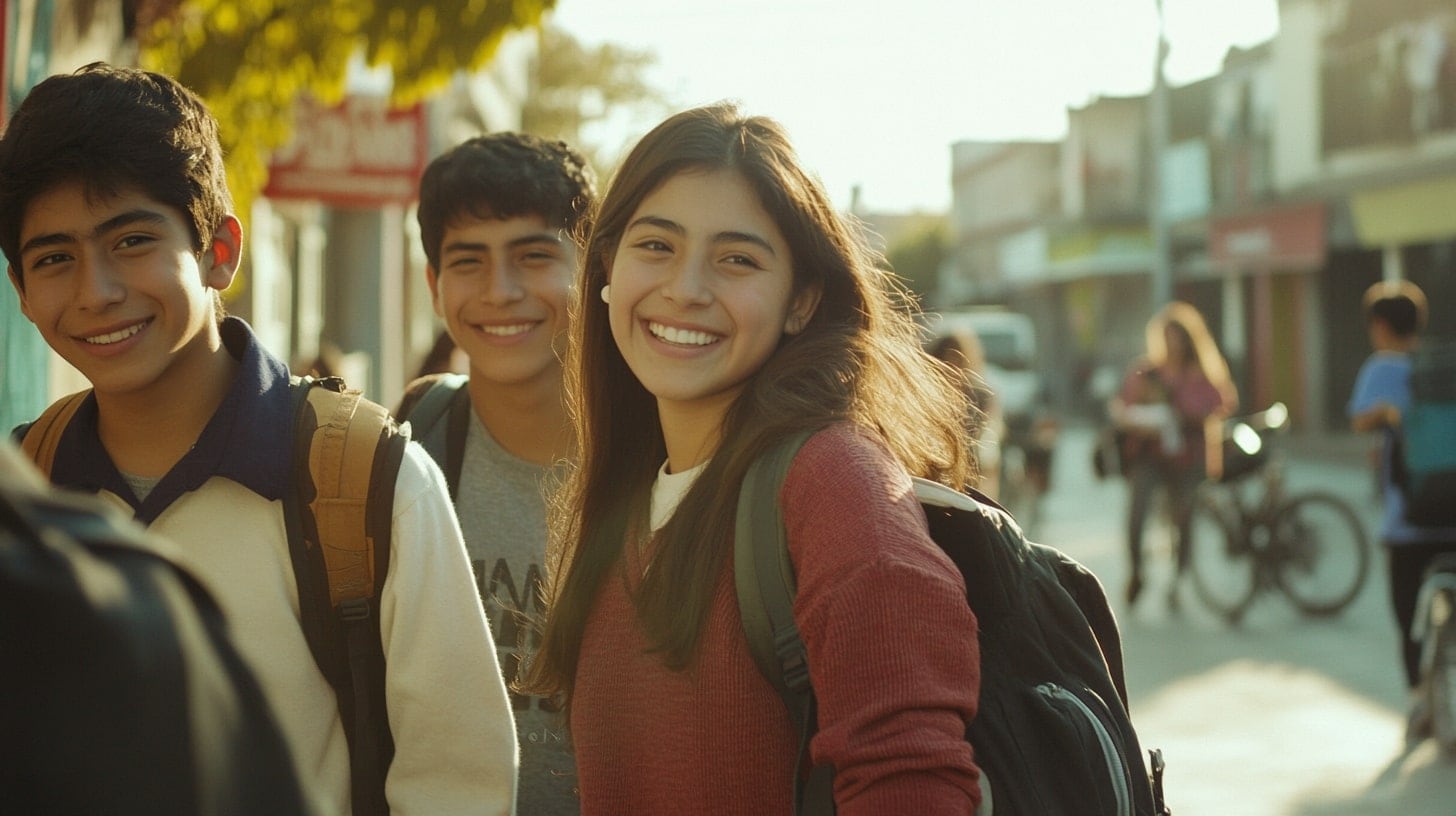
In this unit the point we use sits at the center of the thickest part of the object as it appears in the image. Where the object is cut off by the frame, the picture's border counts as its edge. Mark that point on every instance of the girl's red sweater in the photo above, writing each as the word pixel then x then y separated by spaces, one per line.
pixel 892 656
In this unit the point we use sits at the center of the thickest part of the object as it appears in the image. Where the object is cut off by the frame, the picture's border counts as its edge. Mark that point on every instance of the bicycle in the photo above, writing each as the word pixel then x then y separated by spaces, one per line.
pixel 1310 546
pixel 1435 627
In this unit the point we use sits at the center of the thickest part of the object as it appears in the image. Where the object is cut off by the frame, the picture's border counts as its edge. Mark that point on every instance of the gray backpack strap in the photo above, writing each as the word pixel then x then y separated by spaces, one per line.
pixel 430 401
pixel 764 578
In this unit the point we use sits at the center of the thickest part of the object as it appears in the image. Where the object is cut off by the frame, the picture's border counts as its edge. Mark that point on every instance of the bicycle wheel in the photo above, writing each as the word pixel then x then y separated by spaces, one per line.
pixel 1321 551
pixel 1440 681
pixel 1221 560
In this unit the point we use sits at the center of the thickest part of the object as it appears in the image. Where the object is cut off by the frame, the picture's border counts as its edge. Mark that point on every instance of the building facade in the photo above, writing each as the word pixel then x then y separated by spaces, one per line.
pixel 1307 169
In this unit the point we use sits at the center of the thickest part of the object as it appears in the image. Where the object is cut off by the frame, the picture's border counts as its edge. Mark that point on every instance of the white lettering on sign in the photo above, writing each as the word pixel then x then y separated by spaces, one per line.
pixel 1256 241
pixel 355 152
pixel 360 135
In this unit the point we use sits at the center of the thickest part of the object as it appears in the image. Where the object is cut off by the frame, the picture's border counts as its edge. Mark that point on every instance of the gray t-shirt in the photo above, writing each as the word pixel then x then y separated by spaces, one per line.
pixel 141 486
pixel 502 512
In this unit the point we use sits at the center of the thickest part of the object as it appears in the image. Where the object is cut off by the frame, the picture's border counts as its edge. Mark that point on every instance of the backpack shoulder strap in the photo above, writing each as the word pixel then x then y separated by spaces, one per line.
pixel 430 400
pixel 347 457
pixel 425 399
pixel 43 436
pixel 763 576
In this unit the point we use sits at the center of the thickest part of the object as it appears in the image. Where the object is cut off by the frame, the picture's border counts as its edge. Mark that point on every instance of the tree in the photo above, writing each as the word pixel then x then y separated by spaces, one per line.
pixel 576 86
pixel 251 59
pixel 918 256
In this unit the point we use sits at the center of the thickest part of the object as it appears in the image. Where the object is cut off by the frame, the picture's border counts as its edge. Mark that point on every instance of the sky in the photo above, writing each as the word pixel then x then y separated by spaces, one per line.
pixel 874 94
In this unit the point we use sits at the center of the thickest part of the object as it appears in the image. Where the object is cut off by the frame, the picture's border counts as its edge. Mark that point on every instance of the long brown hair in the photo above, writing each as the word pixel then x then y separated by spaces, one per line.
pixel 858 358
pixel 1203 350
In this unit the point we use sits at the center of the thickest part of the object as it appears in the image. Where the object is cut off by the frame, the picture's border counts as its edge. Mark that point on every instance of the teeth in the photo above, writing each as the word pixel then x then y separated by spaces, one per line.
pixel 681 337
pixel 114 337
pixel 507 331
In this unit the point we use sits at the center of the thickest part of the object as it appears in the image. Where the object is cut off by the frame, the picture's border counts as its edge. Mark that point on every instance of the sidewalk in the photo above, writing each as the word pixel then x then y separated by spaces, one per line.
pixel 1284 715
pixel 1344 448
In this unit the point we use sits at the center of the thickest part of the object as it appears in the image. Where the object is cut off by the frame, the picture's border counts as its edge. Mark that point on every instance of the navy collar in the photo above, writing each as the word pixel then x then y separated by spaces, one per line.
pixel 248 440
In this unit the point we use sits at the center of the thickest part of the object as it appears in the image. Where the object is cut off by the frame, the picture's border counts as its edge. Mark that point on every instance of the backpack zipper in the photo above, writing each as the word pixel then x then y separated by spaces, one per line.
pixel 1116 771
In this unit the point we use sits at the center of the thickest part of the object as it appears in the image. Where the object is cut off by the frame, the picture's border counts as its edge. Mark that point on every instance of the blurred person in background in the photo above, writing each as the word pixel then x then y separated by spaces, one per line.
pixel 329 362
pixel 1168 397
pixel 1395 314
pixel 961 350
pixel 444 357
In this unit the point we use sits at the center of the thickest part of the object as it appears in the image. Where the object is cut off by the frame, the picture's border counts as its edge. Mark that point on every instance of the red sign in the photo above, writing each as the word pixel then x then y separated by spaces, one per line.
pixel 358 154
pixel 1289 238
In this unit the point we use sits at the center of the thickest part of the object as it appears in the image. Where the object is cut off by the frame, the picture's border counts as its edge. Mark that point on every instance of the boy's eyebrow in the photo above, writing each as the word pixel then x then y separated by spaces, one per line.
pixel 524 240
pixel 726 237
pixel 536 238
pixel 126 219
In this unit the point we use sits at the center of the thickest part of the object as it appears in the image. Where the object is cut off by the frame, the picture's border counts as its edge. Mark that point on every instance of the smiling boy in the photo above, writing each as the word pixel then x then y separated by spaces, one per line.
pixel 115 219
pixel 496 218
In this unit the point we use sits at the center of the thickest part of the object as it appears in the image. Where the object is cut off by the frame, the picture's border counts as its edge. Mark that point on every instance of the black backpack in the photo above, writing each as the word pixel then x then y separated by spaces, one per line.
pixel 1052 736
pixel 339 516
pixel 121 693
pixel 437 407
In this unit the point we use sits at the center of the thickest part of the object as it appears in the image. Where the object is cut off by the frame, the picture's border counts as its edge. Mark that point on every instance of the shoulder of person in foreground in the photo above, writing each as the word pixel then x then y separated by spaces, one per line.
pixel 133 700
pixel 455 737
pixel 876 595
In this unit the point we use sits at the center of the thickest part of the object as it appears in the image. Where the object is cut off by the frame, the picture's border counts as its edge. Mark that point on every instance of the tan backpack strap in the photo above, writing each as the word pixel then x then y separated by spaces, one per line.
pixel 341 460
pixel 347 454
pixel 44 435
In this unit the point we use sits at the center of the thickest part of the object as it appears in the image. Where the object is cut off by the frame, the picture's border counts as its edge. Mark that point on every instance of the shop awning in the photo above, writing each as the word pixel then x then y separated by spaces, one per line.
pixel 1413 213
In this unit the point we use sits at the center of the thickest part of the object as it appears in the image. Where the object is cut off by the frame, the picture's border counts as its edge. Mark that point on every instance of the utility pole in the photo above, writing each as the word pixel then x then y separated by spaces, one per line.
pixel 1162 268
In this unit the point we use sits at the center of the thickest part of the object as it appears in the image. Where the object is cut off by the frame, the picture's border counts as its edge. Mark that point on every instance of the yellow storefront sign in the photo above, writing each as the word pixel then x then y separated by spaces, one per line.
pixel 1413 213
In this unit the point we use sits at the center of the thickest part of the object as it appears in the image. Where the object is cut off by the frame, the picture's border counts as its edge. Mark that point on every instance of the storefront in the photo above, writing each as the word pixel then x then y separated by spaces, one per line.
pixel 1401 215
pixel 1092 308
pixel 331 243
pixel 1270 263
pixel 1395 231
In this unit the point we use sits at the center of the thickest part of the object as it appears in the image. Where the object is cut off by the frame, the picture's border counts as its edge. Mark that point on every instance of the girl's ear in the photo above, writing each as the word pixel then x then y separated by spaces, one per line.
pixel 802 309
pixel 225 254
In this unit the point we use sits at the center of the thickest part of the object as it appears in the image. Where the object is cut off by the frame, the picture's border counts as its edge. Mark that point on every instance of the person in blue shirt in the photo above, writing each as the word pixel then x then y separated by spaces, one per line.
pixel 1395 314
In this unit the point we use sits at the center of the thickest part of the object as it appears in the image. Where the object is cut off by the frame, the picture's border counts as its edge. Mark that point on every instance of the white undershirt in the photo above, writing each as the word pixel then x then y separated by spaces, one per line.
pixel 668 490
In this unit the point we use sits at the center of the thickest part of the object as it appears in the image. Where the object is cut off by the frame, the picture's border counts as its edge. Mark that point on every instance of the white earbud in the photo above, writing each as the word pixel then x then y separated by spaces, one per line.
pixel 607 293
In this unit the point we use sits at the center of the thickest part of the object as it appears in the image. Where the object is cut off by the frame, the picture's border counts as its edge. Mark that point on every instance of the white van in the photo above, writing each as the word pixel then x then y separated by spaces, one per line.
pixel 1008 341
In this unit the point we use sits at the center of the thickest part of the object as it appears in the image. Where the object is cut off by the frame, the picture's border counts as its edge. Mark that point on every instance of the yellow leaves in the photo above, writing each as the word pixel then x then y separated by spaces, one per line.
pixel 250 59
pixel 279 36
pixel 226 19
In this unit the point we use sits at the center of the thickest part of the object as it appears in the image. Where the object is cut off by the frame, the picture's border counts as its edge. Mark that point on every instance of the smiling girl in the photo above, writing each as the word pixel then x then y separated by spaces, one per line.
pixel 724 307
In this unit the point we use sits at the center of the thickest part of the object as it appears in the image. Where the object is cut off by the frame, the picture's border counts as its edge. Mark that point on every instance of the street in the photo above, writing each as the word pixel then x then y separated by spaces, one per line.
pixel 1280 717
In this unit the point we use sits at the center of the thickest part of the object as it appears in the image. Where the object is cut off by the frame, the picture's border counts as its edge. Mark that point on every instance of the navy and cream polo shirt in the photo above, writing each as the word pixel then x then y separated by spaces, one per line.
pixel 248 440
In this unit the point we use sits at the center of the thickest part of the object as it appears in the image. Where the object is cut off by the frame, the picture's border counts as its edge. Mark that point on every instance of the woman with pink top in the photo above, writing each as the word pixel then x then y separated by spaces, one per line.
pixel 725 306
pixel 1167 400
